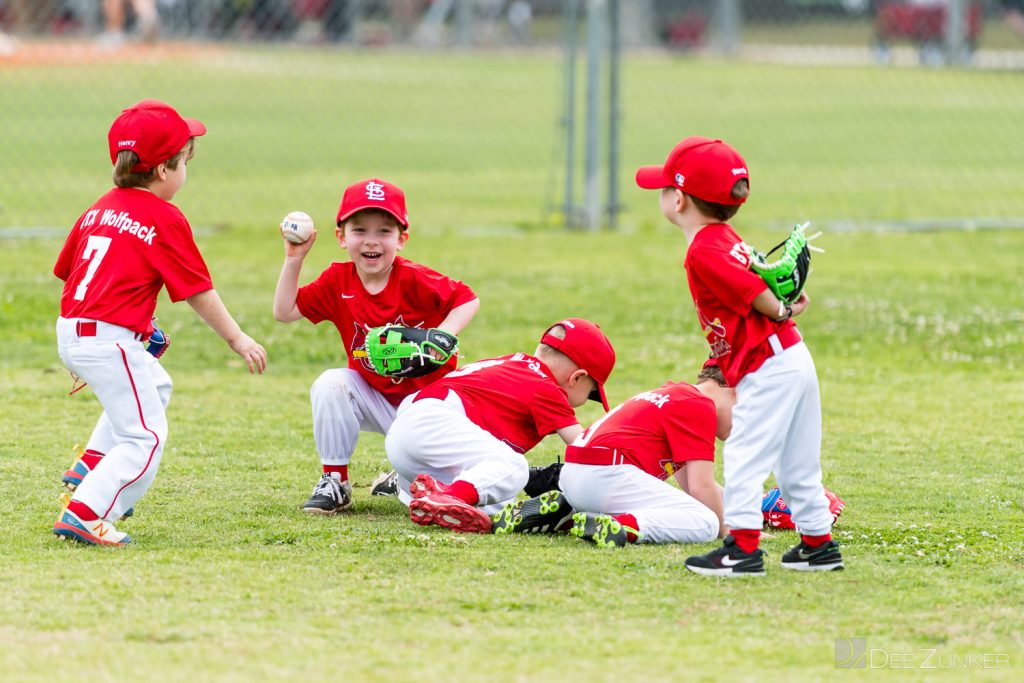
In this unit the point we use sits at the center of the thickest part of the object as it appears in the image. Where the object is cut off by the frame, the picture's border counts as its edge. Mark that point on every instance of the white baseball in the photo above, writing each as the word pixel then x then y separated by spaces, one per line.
pixel 297 227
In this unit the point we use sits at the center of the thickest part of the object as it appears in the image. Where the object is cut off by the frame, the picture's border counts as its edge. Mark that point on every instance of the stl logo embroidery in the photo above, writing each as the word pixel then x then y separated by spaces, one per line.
pixel 375 191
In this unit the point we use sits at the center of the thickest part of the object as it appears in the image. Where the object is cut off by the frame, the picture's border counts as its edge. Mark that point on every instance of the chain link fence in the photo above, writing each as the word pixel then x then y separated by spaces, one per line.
pixel 497 114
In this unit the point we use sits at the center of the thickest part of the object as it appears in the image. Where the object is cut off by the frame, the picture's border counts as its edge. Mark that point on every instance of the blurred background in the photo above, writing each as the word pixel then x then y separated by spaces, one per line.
pixel 513 115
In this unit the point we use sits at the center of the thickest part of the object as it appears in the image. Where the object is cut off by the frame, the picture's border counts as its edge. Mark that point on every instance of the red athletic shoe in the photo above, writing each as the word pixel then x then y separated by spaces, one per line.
pixel 449 512
pixel 777 514
pixel 835 505
pixel 424 484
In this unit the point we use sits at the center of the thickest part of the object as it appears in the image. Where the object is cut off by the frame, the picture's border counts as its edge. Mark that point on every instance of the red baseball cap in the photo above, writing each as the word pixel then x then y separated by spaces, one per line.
pixel 702 167
pixel 588 348
pixel 154 131
pixel 374 194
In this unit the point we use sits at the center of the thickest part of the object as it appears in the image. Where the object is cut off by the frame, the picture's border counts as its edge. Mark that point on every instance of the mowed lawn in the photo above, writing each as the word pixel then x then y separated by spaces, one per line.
pixel 917 338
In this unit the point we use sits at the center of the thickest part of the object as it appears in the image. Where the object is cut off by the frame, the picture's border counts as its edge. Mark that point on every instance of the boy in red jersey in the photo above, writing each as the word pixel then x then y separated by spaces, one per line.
pixel 458 444
pixel 129 245
pixel 615 471
pixel 777 416
pixel 375 287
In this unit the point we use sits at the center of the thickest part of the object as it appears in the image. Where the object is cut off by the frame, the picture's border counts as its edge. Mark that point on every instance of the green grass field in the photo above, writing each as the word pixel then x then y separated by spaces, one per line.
pixel 917 338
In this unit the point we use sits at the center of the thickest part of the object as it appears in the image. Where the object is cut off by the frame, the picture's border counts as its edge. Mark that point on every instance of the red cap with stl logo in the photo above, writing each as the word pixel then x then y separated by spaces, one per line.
pixel 702 167
pixel 154 131
pixel 374 194
pixel 587 347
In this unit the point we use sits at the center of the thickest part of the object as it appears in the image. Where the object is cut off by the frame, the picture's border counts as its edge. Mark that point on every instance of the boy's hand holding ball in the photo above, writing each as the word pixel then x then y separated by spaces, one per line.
pixel 297 227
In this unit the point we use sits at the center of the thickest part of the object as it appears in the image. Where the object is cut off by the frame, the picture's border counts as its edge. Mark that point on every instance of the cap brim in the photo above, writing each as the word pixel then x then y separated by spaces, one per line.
pixel 195 127
pixel 356 209
pixel 651 177
pixel 598 395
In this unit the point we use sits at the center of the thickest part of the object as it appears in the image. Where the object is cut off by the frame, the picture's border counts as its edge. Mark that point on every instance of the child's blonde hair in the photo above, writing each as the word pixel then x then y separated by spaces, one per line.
pixel 126 159
pixel 549 354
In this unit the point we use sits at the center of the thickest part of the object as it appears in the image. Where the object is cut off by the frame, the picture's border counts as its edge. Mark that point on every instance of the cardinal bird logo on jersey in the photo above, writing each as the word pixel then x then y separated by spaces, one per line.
pixel 714 332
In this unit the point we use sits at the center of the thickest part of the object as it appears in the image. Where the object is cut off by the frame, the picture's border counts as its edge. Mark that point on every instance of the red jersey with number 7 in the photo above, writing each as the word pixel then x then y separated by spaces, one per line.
pixel 119 255
pixel 723 289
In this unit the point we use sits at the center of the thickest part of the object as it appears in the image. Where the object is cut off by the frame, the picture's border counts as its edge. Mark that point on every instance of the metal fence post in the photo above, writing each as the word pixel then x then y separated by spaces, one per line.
pixel 726 22
pixel 596 19
pixel 956 32
pixel 569 118
pixel 614 47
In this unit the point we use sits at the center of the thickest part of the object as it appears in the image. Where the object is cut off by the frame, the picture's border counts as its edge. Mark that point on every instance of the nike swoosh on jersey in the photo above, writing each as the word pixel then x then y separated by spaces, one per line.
pixel 348 296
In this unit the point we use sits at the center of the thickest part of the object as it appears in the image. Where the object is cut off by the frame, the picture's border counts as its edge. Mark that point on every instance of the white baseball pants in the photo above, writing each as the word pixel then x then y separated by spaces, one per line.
pixel 133 389
pixel 344 405
pixel 664 513
pixel 776 426
pixel 435 437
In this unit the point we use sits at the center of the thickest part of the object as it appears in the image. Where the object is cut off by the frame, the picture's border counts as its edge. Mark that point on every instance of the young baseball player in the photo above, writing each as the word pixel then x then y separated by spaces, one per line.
pixel 375 287
pixel 458 444
pixel 666 430
pixel 129 244
pixel 777 416
pixel 615 471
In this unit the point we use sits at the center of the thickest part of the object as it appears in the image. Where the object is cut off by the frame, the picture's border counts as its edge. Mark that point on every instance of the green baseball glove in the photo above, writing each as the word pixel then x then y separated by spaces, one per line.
pixel 786 276
pixel 401 352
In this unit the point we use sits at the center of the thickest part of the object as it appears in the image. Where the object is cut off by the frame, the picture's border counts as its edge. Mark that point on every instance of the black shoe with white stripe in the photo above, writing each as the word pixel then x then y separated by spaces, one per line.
pixel 804 558
pixel 729 560
pixel 330 495
pixel 385 484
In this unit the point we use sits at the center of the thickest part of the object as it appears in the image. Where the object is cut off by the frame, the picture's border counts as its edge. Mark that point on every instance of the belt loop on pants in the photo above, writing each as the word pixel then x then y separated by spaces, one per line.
pixel 594 455
pixel 783 339
pixel 85 328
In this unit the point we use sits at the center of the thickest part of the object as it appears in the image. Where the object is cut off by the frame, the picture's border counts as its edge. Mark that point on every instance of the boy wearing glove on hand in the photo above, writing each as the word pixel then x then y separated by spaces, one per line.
pixel 776 422
pixel 375 288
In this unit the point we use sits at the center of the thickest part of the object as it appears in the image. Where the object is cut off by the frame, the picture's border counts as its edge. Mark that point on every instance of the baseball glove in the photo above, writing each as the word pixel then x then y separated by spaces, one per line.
pixel 777 514
pixel 158 341
pixel 786 276
pixel 401 352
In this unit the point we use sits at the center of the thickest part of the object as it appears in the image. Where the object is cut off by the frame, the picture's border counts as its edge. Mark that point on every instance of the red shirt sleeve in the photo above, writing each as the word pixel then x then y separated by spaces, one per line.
pixel 317 300
pixel 446 292
pixel 725 272
pixel 690 427
pixel 551 410
pixel 62 268
pixel 179 262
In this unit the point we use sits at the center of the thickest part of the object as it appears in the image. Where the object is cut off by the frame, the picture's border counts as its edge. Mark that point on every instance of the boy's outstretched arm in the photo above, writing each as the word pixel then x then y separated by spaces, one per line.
pixel 459 317
pixel 285 310
pixel 212 310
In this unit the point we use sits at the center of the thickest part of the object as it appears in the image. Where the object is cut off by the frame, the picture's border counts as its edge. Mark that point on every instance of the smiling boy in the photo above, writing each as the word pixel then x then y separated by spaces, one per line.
pixel 375 287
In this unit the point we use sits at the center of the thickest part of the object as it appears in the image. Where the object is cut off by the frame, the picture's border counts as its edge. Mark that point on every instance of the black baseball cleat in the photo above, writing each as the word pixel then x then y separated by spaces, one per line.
pixel 543 479
pixel 729 560
pixel 330 495
pixel 385 484
pixel 546 514
pixel 804 558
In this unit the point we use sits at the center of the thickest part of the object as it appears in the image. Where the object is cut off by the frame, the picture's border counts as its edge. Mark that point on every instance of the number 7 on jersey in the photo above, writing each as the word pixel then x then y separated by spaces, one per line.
pixel 96 248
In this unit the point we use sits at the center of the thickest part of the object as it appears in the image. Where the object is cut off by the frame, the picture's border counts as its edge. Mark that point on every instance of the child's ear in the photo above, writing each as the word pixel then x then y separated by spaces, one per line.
pixel 161 171
pixel 680 200
pixel 339 232
pixel 403 237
